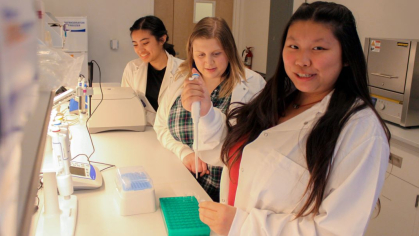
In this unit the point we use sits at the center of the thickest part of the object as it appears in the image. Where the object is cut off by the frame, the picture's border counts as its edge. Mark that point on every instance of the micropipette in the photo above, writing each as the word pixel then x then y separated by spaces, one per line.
pixel 196 110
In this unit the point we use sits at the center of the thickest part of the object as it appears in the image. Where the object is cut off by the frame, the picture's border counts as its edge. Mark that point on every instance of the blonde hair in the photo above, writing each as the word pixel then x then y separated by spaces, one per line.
pixel 216 28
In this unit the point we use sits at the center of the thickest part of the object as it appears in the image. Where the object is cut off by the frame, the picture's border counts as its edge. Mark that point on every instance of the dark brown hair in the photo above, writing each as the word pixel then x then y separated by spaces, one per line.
pixel 156 28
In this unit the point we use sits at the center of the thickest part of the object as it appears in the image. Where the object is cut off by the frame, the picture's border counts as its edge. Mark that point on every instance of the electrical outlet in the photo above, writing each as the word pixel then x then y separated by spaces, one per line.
pixel 114 44
pixel 396 160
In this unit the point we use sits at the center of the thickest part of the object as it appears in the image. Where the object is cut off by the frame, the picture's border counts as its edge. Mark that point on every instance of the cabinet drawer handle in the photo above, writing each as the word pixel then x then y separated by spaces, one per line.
pixel 417 201
pixel 385 76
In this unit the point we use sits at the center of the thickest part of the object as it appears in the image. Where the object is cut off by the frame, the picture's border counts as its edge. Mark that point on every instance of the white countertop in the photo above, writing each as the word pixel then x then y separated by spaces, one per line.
pixel 408 136
pixel 97 211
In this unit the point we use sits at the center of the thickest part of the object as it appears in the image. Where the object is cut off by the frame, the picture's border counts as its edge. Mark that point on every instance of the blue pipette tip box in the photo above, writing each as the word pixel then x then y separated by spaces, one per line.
pixel 135 181
pixel 181 216
pixel 134 192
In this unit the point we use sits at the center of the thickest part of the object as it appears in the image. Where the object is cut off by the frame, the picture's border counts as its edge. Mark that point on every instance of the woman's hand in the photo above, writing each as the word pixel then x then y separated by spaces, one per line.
pixel 195 90
pixel 189 162
pixel 219 217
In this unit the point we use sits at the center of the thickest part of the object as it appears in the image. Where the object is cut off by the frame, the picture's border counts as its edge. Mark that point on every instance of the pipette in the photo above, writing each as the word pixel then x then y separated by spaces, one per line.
pixel 196 110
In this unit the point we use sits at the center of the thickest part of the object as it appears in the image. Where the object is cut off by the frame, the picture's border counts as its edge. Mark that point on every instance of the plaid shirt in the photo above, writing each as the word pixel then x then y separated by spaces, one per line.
pixel 181 127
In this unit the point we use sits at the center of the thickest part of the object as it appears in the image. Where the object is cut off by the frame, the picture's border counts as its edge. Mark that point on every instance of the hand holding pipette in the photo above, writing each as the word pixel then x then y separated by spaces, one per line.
pixel 196 99
pixel 189 162
pixel 195 90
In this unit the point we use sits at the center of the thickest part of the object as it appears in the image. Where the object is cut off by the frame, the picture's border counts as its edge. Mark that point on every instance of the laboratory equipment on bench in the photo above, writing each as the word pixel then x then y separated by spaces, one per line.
pixel 393 71
pixel 69 34
pixel 195 113
pixel 134 192
pixel 64 97
pixel 82 100
pixel 85 176
pixel 120 109
pixel 181 216
pixel 81 94
pixel 59 215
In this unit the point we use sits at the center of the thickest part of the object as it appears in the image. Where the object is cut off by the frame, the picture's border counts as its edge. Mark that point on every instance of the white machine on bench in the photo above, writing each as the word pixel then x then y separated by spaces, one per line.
pixel 120 109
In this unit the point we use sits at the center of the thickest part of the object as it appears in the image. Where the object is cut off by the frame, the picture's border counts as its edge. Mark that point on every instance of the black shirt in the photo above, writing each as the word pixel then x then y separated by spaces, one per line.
pixel 154 80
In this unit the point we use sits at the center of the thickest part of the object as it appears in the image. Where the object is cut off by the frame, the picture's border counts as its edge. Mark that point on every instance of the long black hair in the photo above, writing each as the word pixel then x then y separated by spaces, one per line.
pixel 156 28
pixel 264 111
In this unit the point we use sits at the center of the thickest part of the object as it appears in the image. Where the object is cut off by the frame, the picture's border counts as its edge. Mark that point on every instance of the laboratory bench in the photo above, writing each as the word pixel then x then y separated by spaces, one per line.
pixel 98 215
pixel 399 197
pixel 97 212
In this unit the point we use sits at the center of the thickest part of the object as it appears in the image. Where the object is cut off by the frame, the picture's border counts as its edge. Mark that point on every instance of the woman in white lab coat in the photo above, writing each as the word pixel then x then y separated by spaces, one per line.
pixel 211 50
pixel 151 73
pixel 308 155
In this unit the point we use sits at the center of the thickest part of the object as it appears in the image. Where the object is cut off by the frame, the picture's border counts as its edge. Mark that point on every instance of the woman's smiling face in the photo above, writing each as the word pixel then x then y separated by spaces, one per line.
pixel 312 57
pixel 146 46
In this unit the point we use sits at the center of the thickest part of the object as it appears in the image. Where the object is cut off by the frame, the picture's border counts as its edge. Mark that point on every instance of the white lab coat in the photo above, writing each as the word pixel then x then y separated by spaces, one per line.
pixel 135 76
pixel 273 176
pixel 243 92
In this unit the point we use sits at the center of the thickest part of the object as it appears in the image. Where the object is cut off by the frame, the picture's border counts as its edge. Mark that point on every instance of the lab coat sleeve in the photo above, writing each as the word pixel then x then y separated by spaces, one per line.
pixel 354 187
pixel 163 134
pixel 212 132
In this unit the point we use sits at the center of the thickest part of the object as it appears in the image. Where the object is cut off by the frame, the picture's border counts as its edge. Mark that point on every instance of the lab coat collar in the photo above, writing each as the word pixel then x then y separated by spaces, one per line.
pixel 305 119
pixel 241 89
pixel 322 106
pixel 170 64
pixel 169 75
pixel 139 64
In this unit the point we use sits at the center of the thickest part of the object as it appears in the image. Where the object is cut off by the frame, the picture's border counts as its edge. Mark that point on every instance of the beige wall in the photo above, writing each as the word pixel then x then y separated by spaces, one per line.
pixel 384 18
pixel 177 16
pixel 255 31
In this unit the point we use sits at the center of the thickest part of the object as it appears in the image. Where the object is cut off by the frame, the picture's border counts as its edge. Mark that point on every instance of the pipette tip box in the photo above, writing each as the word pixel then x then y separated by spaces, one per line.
pixel 134 192
pixel 181 216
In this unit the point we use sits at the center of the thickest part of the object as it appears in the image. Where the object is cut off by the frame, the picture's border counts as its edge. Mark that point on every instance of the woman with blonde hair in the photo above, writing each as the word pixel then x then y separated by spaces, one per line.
pixel 212 52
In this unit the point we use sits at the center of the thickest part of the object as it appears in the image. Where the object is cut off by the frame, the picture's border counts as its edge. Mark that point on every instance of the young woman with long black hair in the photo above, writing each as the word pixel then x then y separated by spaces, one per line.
pixel 309 154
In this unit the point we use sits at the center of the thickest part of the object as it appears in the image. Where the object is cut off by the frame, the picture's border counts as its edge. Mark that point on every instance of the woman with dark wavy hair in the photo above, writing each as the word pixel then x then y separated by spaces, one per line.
pixel 309 154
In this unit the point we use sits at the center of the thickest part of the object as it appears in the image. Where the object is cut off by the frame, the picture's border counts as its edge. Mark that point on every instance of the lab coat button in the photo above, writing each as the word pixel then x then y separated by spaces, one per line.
pixel 244 88
pixel 266 134
pixel 242 169
pixel 223 200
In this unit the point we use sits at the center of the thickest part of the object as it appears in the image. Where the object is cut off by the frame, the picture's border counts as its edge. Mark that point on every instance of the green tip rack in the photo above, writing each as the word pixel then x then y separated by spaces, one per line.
pixel 182 217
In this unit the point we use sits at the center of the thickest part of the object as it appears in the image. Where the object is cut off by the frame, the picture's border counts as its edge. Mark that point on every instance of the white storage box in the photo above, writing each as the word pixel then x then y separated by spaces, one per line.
pixel 134 193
